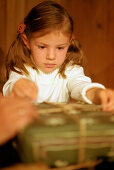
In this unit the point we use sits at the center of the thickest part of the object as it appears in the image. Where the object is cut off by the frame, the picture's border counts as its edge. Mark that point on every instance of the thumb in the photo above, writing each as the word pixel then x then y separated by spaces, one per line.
pixel 103 98
pixel 11 94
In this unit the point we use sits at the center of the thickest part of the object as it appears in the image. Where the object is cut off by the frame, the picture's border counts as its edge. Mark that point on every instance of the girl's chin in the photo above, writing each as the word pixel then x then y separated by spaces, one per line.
pixel 47 71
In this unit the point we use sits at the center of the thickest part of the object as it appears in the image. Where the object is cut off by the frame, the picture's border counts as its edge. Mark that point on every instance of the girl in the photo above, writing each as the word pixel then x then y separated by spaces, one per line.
pixel 44 63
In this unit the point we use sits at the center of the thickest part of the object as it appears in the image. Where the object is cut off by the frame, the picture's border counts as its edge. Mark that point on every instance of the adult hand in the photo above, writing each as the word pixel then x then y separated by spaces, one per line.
pixel 25 88
pixel 35 166
pixel 15 114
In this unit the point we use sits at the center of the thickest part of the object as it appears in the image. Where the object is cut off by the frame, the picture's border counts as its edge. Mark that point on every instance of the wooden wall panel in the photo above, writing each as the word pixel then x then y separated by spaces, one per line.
pixel 15 10
pixel 2 24
pixel 94 25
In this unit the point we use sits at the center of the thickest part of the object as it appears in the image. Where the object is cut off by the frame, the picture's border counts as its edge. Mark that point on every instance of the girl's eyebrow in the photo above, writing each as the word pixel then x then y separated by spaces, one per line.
pixel 62 44
pixel 48 44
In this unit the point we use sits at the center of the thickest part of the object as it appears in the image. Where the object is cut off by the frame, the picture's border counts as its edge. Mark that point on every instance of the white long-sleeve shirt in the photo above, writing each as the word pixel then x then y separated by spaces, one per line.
pixel 53 88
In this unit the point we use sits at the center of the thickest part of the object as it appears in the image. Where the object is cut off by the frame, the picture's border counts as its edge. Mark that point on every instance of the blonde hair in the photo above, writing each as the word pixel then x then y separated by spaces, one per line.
pixel 44 16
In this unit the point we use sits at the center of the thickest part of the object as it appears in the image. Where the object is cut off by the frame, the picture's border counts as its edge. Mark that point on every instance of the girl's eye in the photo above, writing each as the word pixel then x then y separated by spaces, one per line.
pixel 41 47
pixel 60 48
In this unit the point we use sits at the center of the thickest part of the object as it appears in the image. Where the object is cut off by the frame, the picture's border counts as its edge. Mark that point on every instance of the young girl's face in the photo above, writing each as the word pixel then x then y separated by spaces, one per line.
pixel 49 51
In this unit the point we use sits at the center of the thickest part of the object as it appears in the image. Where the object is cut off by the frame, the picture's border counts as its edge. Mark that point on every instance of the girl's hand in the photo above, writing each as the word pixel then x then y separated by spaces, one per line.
pixel 107 99
pixel 25 88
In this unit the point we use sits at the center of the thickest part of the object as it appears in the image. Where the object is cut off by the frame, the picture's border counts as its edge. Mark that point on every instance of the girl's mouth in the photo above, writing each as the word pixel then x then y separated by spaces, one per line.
pixel 49 65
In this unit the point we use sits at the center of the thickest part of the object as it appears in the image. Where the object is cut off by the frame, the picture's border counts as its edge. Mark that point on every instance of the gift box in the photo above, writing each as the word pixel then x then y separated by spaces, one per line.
pixel 67 134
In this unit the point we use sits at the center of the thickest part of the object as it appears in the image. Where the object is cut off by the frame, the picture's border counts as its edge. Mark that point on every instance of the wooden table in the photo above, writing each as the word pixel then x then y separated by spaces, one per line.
pixel 38 166
pixel 90 165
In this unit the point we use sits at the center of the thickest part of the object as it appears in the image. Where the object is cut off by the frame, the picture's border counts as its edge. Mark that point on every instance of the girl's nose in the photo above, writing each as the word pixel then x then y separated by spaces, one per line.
pixel 51 55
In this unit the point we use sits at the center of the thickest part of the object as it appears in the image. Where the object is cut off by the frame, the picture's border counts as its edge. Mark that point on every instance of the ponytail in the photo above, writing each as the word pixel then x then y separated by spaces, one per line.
pixel 74 57
pixel 18 56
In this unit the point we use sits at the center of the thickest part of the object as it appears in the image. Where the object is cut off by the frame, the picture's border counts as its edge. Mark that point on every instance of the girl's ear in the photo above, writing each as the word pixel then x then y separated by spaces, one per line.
pixel 25 40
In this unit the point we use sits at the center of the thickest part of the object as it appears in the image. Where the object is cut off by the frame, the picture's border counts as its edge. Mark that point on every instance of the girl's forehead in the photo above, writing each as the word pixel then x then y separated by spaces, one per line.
pixel 53 38
pixel 50 34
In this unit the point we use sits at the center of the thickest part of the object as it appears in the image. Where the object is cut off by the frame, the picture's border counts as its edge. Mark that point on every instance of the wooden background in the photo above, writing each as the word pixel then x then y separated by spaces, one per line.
pixel 94 26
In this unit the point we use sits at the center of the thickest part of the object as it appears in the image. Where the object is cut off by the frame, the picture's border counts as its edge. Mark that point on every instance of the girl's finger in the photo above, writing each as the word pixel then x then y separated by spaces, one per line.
pixel 110 109
pixel 103 98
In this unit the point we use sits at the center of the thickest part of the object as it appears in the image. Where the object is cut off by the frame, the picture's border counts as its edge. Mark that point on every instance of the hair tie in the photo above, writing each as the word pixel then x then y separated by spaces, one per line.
pixel 21 28
pixel 73 37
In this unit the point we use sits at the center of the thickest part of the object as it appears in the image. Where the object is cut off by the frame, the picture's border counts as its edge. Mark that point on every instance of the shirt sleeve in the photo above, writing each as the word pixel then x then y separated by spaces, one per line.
pixel 78 84
pixel 7 88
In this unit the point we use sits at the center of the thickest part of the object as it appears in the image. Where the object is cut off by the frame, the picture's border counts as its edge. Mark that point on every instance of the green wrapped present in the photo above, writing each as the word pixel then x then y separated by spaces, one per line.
pixel 67 134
